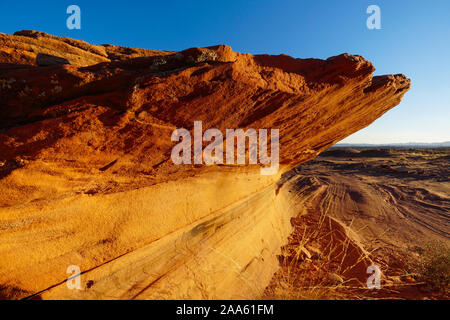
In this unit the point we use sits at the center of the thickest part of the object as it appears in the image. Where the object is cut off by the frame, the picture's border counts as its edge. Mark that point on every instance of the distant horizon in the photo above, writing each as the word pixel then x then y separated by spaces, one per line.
pixel 393 143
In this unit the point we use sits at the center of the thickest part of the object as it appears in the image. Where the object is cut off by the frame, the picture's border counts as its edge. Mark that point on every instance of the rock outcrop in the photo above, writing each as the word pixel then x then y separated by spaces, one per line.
pixel 24 47
pixel 87 178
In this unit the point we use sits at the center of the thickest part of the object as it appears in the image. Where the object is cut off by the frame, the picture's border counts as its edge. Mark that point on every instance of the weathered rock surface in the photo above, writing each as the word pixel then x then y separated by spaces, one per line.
pixel 24 46
pixel 87 179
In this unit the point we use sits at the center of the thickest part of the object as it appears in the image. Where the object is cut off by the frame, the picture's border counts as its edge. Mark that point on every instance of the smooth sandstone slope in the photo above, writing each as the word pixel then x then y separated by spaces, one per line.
pixel 87 179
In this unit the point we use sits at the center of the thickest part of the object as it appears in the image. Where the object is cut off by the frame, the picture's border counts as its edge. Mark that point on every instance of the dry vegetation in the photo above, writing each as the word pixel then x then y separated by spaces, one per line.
pixel 434 269
pixel 367 207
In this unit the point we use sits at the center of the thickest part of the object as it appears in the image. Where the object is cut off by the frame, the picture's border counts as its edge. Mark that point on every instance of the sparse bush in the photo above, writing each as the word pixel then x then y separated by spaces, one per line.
pixel 435 268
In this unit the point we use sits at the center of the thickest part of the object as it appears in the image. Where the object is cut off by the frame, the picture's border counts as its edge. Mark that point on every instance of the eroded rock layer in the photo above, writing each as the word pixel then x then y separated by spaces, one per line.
pixel 87 178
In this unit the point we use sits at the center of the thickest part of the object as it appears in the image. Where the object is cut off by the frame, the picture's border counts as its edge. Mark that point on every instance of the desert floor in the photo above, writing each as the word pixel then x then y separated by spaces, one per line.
pixel 385 207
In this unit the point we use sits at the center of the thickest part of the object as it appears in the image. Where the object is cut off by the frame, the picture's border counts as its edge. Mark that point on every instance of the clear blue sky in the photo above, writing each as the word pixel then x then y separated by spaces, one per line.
pixel 414 40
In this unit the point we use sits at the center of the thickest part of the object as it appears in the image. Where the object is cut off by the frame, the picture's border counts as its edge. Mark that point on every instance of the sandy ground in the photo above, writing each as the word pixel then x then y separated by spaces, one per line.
pixel 364 207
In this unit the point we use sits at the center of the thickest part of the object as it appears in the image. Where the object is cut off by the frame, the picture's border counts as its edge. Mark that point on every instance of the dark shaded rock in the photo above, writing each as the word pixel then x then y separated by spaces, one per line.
pixel 45 60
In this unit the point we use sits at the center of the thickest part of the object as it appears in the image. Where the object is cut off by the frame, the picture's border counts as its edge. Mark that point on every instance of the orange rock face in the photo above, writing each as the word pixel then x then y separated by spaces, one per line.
pixel 24 46
pixel 84 145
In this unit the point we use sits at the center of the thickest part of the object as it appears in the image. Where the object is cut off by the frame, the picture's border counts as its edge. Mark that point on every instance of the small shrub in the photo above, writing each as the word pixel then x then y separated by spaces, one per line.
pixel 435 268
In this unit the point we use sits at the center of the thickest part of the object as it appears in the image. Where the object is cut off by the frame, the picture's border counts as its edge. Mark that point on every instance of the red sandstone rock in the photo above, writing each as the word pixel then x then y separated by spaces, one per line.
pixel 100 128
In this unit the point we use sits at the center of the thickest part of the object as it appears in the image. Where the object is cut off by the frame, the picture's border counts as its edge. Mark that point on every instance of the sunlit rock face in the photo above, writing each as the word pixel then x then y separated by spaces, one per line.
pixel 87 179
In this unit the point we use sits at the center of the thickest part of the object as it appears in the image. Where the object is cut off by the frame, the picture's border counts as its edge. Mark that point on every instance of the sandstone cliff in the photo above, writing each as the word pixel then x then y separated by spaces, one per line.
pixel 87 179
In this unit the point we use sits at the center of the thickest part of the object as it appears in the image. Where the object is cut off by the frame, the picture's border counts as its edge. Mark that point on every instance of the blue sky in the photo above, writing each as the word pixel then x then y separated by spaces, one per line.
pixel 414 40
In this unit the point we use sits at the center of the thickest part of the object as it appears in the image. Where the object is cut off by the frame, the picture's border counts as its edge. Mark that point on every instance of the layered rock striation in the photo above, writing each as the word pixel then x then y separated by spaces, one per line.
pixel 87 177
